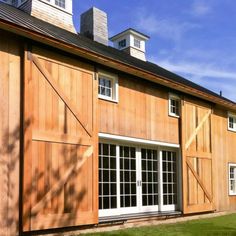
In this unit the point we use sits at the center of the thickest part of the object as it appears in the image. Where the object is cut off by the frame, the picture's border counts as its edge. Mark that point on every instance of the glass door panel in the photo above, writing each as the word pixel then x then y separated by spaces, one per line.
pixel 169 179
pixel 128 177
pixel 135 179
pixel 107 178
pixel 149 175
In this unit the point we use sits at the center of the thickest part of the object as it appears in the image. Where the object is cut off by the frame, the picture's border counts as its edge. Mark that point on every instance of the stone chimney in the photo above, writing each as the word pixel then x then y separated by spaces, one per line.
pixel 93 24
pixel 57 12
pixel 132 42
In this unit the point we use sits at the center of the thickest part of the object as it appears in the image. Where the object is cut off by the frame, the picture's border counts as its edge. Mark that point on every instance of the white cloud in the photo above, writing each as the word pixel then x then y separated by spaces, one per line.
pixel 206 75
pixel 166 28
pixel 200 8
pixel 198 69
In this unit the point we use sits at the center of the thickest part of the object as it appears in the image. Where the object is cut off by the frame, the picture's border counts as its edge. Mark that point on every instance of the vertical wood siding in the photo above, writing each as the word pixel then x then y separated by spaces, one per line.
pixel 60 170
pixel 9 133
pixel 197 156
pixel 142 112
pixel 224 152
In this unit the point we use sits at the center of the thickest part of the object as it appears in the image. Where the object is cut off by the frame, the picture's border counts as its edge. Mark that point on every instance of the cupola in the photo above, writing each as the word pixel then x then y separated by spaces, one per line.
pixel 132 42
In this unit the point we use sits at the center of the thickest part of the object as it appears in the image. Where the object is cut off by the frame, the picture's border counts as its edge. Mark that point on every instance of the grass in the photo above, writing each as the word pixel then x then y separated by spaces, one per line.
pixel 222 225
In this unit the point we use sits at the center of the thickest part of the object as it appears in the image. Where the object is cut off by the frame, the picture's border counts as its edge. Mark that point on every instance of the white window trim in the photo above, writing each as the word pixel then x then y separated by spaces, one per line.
pixel 142 209
pixel 122 47
pixel 233 116
pixel 115 86
pixel 230 193
pixel 140 42
pixel 125 139
pixel 175 97
pixel 52 3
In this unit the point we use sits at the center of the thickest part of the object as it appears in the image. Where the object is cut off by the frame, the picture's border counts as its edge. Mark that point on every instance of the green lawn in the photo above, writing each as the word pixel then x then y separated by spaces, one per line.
pixel 223 225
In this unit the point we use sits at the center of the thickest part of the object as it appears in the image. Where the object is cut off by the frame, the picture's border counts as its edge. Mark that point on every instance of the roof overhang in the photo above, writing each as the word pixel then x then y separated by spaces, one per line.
pixel 130 31
pixel 112 63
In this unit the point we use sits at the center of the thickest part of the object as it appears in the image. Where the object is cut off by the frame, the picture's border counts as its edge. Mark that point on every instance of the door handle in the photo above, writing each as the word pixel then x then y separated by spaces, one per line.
pixel 139 183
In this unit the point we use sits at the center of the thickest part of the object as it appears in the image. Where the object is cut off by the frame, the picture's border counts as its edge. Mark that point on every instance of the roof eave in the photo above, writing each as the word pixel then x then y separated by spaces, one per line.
pixel 131 31
pixel 110 62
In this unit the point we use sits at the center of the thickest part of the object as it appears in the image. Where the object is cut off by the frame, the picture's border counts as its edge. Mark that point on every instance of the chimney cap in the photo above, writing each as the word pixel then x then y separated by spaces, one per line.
pixel 129 31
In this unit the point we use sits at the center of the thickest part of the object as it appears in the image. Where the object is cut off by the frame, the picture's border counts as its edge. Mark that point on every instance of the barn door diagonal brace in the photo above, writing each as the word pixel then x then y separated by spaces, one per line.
pixel 72 107
pixel 188 143
pixel 199 180
pixel 56 187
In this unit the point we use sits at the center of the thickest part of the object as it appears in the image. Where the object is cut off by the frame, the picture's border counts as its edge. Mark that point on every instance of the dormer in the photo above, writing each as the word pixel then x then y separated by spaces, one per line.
pixel 57 12
pixel 132 42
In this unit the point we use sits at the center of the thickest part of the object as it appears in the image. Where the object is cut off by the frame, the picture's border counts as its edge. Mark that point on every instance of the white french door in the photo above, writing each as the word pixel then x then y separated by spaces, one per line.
pixel 134 179
pixel 148 179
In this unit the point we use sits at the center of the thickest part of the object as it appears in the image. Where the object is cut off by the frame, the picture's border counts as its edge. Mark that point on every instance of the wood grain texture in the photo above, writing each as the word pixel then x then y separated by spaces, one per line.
pixel 60 168
pixel 10 78
pixel 224 149
pixel 197 157
pixel 142 112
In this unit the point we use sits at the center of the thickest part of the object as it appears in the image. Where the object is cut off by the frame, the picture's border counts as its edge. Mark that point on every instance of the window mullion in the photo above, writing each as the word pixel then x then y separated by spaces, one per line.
pixel 138 176
pixel 118 175
pixel 160 180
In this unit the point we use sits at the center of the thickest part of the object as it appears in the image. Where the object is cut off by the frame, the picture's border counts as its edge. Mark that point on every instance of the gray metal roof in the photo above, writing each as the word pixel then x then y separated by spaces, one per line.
pixel 24 20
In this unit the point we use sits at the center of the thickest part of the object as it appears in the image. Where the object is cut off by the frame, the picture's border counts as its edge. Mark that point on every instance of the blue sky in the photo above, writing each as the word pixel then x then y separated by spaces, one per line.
pixel 193 38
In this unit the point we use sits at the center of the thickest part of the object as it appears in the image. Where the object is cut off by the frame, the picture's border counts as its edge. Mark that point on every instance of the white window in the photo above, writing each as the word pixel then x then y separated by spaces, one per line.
pixel 232 179
pixel 122 43
pixel 232 122
pixel 107 177
pixel 134 179
pixel 108 86
pixel 60 3
pixel 137 43
pixel 174 105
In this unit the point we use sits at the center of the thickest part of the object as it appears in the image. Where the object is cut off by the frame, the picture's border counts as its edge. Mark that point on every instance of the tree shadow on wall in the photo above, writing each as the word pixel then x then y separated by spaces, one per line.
pixel 60 188
pixel 10 184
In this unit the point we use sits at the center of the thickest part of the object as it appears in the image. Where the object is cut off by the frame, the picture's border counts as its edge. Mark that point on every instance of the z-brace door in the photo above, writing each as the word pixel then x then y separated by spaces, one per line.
pixel 197 157
pixel 60 176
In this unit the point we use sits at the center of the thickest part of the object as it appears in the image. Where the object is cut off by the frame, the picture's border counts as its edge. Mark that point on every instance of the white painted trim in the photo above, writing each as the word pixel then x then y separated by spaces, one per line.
pixel 115 86
pixel 67 9
pixel 230 192
pixel 169 208
pixel 175 97
pixel 160 180
pixel 140 208
pixel 179 181
pixel 230 114
pixel 137 140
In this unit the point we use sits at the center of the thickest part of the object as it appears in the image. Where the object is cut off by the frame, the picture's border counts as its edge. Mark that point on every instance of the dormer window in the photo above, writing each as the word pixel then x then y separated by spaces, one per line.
pixel 60 3
pixel 122 43
pixel 137 43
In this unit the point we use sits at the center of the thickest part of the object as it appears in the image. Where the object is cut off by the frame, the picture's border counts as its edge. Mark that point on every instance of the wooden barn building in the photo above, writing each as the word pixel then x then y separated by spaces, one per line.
pixel 93 134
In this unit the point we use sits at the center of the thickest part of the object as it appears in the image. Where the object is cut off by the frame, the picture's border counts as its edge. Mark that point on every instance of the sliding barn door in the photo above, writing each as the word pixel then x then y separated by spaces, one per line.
pixel 197 157
pixel 60 143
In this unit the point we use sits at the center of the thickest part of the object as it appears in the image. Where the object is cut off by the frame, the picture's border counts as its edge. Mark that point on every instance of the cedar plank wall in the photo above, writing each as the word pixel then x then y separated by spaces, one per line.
pixel 9 133
pixel 224 152
pixel 141 112
pixel 137 114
